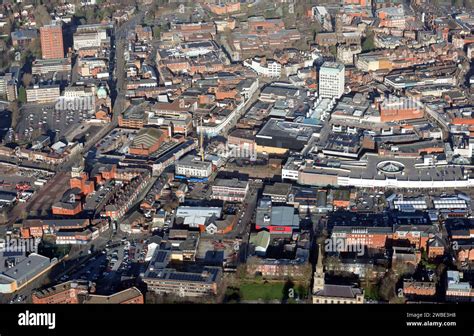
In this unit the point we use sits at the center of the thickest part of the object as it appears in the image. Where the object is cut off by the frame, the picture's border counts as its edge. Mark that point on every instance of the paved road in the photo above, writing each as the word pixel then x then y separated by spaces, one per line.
pixel 244 228
pixel 117 87
pixel 78 255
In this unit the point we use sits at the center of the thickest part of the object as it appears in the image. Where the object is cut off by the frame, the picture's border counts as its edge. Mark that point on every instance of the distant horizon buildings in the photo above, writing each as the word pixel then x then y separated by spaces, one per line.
pixel 52 44
pixel 331 80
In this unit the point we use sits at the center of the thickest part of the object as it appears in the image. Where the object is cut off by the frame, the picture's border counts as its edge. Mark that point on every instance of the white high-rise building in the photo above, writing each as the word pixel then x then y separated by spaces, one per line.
pixel 331 80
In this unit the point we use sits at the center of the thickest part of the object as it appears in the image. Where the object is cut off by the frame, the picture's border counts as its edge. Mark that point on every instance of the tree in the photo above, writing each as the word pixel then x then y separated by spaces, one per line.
pixel 321 240
pixel 42 16
pixel 9 26
pixel 332 263
pixel 371 292
pixel 171 205
pixel 15 113
pixel 91 15
pixel 439 272
pixel 369 41
pixel 35 48
pixel 232 295
pixel 22 95
pixel 388 285
pixel 302 292
pixel 404 268
pixel 157 32
pixel 6 59
pixel 27 78
pixel 241 272
pixel 3 45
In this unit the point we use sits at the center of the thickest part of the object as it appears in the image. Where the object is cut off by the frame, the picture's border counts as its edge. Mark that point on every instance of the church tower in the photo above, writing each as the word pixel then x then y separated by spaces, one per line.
pixel 319 273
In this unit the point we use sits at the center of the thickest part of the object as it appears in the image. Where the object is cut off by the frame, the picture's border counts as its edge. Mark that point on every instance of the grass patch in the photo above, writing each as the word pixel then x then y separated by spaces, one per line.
pixel 262 290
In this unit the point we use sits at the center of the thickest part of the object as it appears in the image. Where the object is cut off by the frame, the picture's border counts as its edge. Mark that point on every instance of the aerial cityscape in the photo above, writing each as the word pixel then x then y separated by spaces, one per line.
pixel 236 151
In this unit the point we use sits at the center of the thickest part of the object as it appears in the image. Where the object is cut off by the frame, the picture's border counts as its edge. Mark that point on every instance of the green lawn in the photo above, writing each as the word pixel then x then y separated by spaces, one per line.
pixel 261 290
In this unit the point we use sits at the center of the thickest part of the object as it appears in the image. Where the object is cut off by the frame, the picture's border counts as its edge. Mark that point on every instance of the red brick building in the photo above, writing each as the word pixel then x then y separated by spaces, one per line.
pixel 65 293
pixel 419 288
pixel 74 292
pixel 466 254
pixel 66 209
pixel 147 141
pixel 104 173
pixel 82 183
pixel 52 45
pixel 398 114
pixel 33 229
pixel 436 248
pixel 417 236
pixel 370 237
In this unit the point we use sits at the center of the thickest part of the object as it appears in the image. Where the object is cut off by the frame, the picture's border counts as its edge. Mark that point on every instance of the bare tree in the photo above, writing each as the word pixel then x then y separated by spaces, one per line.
pixel 42 16
pixel 332 263
pixel 26 80
pixel 388 286
pixel 15 113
